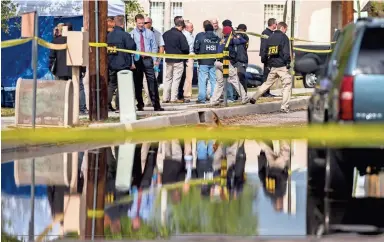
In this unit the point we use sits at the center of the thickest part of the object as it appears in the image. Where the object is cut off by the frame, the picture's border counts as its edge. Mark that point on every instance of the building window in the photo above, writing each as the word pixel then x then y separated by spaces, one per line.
pixel 273 11
pixel 277 11
pixel 156 12
pixel 176 10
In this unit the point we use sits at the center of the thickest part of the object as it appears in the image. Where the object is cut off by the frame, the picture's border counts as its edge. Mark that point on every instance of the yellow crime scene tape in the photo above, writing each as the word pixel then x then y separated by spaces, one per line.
pixel 14 42
pixel 330 135
pixel 294 39
pixel 169 56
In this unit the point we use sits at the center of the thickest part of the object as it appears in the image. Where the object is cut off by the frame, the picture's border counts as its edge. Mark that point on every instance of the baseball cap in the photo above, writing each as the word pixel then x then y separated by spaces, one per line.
pixel 227 30
pixel 227 22
pixel 242 26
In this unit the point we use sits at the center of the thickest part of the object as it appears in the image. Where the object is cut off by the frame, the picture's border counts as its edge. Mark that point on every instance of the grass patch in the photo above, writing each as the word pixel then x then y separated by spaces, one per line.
pixel 7 112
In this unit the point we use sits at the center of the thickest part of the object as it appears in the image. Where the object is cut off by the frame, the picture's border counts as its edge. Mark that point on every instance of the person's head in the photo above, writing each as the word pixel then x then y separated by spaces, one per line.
pixel 208 27
pixel 139 19
pixel 206 22
pixel 278 204
pixel 69 25
pixel 175 19
pixel 148 22
pixel 189 27
pixel 179 24
pixel 110 24
pixel 227 30
pixel 283 27
pixel 136 223
pixel 242 28
pixel 119 21
pixel 227 22
pixel 215 23
pixel 272 23
pixel 58 30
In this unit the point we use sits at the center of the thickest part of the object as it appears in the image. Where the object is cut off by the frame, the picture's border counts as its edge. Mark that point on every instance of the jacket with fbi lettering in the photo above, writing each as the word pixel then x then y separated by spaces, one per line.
pixel 206 43
pixel 276 52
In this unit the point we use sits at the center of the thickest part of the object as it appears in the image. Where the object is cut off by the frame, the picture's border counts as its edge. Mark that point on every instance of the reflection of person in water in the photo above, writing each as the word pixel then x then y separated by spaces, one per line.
pixel 273 172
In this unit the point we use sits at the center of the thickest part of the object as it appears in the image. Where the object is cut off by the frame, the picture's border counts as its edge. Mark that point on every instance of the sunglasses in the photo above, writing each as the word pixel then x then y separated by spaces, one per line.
pixel 147 22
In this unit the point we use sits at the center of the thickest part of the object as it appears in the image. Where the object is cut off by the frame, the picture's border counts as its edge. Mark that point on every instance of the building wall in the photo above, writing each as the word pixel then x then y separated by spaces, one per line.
pixel 313 18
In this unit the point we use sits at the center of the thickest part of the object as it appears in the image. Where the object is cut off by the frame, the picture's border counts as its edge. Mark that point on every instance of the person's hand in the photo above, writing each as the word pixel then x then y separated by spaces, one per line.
pixel 133 67
pixel 288 66
pixel 157 63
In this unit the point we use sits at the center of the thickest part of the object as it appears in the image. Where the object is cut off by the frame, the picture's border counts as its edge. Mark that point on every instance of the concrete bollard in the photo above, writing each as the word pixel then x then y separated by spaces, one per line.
pixel 126 96
pixel 127 115
pixel 125 161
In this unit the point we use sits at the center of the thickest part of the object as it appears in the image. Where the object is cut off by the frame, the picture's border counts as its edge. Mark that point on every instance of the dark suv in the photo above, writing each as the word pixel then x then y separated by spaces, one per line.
pixel 350 90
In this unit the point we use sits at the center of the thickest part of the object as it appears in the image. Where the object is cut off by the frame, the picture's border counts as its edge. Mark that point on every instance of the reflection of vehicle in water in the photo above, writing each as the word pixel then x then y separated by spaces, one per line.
pixel 350 91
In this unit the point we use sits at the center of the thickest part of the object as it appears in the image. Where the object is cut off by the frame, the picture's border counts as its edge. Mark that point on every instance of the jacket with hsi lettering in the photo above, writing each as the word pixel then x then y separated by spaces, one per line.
pixel 206 43
pixel 276 52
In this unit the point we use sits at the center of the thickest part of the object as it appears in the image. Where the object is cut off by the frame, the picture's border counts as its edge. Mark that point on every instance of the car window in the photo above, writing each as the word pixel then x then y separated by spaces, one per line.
pixel 335 52
pixel 371 53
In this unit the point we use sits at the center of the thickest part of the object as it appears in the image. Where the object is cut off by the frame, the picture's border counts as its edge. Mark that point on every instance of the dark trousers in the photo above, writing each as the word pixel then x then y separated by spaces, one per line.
pixel 112 86
pixel 241 69
pixel 180 93
pixel 83 104
pixel 265 75
pixel 145 66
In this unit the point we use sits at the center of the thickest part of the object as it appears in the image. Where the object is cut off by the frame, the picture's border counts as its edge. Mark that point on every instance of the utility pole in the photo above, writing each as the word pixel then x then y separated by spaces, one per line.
pixel 95 200
pixel 347 12
pixel 95 21
pixel 293 13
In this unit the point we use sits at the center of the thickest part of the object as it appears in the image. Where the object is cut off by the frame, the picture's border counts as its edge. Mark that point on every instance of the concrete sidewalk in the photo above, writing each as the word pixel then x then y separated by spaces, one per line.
pixel 172 109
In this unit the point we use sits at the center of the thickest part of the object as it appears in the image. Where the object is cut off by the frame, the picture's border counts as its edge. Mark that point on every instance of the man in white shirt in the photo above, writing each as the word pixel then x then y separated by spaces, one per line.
pixel 188 71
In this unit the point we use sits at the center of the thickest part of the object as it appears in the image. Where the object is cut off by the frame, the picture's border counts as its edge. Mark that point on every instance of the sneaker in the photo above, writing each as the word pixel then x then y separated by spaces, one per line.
pixel 252 101
pixel 200 102
pixel 187 100
pixel 159 109
pixel 140 108
pixel 284 110
pixel 117 111
pixel 178 101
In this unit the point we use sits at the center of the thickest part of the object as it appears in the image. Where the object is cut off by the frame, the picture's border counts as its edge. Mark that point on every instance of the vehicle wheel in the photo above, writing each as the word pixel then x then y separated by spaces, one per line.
pixel 309 80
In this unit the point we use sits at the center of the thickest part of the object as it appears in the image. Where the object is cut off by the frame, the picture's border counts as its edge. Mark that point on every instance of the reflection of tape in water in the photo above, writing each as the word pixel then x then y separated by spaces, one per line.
pixel 363 135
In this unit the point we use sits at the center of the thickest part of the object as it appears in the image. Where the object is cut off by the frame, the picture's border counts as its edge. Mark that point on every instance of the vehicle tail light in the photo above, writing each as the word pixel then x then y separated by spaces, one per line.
pixel 346 99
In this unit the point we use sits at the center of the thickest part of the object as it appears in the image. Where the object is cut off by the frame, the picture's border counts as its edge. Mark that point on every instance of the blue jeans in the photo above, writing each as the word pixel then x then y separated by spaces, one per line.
pixel 230 92
pixel 206 72
pixel 204 150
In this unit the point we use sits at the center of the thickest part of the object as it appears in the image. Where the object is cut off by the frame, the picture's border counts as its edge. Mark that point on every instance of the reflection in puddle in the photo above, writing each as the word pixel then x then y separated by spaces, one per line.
pixel 163 189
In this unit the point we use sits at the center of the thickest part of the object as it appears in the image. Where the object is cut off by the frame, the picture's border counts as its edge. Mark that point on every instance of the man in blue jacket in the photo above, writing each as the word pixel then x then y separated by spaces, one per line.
pixel 206 43
pixel 233 78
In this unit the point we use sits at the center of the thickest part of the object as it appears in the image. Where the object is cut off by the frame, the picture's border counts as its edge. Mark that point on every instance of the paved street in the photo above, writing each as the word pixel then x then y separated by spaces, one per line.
pixel 271 119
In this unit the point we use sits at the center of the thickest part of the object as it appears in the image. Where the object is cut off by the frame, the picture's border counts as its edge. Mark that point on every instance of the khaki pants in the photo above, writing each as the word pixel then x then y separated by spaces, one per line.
pixel 231 152
pixel 147 99
pixel 286 80
pixel 172 81
pixel 188 79
pixel 278 159
pixel 232 79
